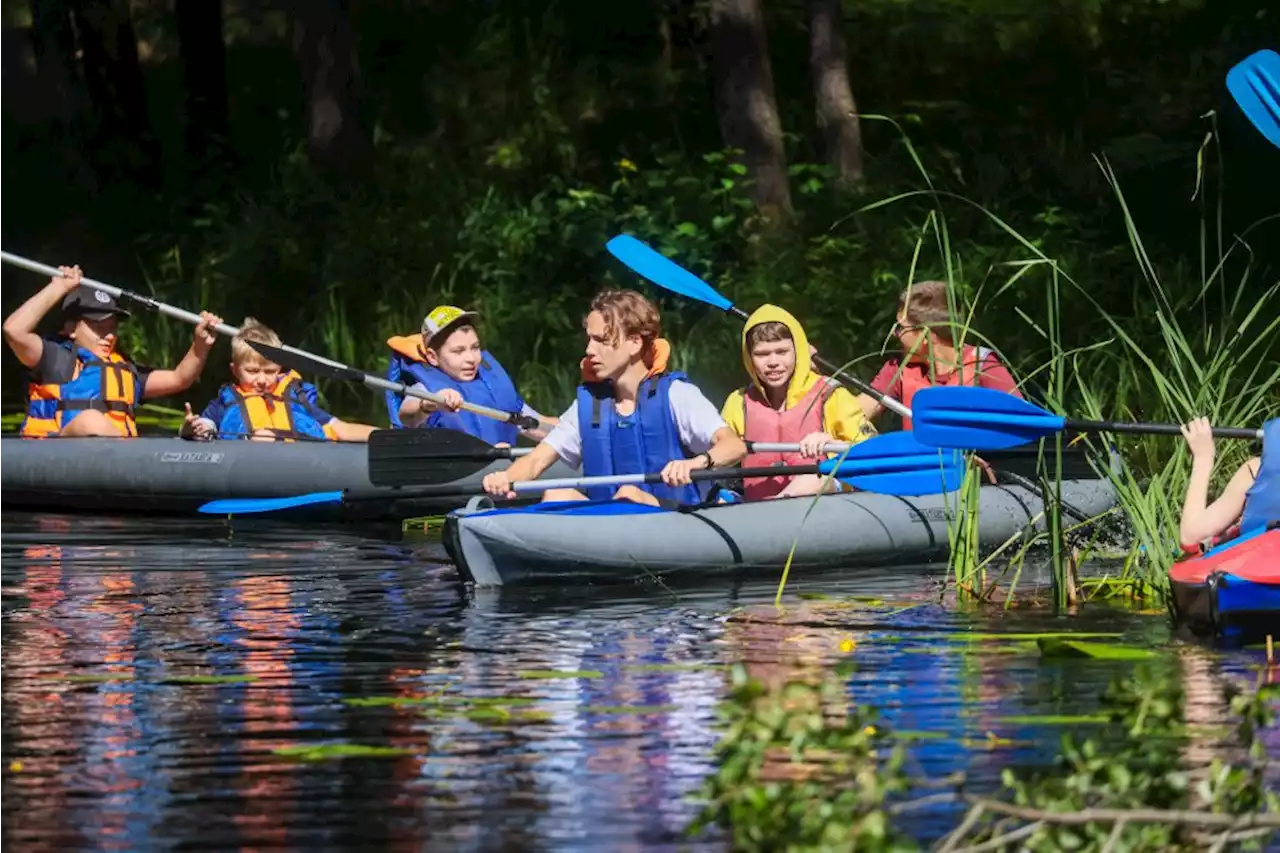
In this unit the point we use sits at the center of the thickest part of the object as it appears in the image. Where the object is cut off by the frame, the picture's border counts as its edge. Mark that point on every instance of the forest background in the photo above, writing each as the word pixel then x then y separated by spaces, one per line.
pixel 337 168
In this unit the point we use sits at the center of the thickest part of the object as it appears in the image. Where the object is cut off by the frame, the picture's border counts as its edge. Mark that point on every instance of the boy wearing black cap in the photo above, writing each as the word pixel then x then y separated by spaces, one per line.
pixel 80 384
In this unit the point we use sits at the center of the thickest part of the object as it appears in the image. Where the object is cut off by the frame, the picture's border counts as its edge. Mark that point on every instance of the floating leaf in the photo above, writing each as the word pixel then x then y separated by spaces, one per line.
pixel 559 673
pixel 324 752
pixel 500 714
pixel 95 677
pixel 1052 648
pixel 208 679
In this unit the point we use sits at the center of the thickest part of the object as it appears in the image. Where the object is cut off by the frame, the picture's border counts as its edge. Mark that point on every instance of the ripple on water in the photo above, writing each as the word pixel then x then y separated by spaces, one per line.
pixel 183 683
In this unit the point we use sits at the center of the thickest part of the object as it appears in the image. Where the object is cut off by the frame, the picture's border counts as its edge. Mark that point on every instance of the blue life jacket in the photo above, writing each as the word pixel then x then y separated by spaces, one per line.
pixel 641 443
pixel 492 387
pixel 1262 502
pixel 289 411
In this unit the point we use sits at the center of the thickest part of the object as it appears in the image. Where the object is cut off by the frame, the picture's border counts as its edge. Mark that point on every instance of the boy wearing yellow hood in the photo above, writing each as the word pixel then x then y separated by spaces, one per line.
pixel 788 402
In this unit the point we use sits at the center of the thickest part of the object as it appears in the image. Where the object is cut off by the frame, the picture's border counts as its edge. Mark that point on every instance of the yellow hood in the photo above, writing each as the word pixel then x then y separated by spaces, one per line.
pixel 804 377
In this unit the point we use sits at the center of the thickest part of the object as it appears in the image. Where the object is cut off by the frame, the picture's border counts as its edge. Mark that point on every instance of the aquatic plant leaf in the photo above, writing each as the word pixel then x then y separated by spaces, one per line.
pixel 501 714
pixel 208 679
pixel 1053 719
pixel 1053 648
pixel 329 751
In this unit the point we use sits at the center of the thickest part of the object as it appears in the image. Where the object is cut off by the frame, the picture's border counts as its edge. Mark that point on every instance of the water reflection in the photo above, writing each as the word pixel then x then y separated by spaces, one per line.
pixel 574 719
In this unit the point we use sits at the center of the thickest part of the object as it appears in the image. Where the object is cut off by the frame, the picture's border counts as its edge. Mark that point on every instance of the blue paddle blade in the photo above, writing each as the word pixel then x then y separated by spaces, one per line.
pixel 978 419
pixel 1254 82
pixel 664 272
pixel 246 506
pixel 898 464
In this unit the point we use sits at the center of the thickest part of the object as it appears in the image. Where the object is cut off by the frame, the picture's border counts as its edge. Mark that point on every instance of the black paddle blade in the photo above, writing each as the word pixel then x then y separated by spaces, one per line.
pixel 304 364
pixel 424 457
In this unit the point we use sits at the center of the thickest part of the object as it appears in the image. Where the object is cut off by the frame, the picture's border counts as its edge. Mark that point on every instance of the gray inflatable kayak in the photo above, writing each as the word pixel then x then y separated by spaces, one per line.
pixel 619 541
pixel 161 475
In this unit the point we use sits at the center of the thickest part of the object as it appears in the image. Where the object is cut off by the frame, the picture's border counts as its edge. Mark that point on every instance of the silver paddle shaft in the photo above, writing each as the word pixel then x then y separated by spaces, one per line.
pixel 232 331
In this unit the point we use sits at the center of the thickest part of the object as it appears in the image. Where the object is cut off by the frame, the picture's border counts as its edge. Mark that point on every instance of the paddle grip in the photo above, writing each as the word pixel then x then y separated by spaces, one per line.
pixel 1157 429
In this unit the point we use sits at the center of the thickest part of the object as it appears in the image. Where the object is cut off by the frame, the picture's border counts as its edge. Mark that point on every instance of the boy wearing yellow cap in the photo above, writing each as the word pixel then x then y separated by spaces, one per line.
pixel 446 359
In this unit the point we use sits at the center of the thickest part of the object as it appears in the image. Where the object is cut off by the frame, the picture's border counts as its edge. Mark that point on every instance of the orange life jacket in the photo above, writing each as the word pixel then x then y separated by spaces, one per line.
pixel 282 410
pixel 107 385
pixel 762 422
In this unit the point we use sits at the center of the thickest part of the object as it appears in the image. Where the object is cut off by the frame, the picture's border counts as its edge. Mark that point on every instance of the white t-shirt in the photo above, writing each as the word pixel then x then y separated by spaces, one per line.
pixel 697 420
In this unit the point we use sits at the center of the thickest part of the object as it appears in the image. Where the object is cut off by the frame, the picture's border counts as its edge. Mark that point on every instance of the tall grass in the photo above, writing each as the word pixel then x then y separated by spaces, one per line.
pixel 1207 347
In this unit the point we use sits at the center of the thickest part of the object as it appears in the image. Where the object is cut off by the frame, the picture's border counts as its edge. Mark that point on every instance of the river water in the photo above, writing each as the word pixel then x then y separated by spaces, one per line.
pixel 163 682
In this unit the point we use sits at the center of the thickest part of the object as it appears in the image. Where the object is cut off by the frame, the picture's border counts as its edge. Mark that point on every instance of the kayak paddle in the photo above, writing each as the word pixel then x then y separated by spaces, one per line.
pixel 667 274
pixel 143 301
pixel 414 457
pixel 893 464
pixel 986 419
pixel 1254 82
pixel 306 363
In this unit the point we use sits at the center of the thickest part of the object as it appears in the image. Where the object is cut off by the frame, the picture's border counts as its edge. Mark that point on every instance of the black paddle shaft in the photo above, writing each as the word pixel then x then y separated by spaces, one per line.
pixel 1153 429
pixel 453 490
pixel 833 370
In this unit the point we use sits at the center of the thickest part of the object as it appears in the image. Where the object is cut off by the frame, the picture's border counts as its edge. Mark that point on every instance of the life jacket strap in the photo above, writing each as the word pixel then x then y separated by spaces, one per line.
pixel 98 405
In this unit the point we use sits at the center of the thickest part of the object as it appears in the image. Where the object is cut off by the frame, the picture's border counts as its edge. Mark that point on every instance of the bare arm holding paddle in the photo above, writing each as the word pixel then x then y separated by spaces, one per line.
pixel 1202 520
pixel 20 326
pixel 162 383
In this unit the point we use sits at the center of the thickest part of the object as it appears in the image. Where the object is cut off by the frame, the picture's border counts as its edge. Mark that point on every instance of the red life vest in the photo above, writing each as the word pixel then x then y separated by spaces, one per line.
pixel 969 373
pixel 762 422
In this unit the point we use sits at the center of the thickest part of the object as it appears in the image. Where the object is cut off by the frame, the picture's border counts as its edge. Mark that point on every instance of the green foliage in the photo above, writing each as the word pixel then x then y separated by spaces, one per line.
pixel 800 770
pixel 1143 770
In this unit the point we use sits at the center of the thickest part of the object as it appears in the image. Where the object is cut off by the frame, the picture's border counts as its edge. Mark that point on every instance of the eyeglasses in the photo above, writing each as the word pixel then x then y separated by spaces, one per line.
pixel 899 328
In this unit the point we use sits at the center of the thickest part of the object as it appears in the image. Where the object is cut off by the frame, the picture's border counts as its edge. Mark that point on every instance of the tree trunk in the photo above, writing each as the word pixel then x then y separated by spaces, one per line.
pixel 324 43
pixel 65 102
pixel 745 102
pixel 123 139
pixel 837 114
pixel 206 130
pixel 54 43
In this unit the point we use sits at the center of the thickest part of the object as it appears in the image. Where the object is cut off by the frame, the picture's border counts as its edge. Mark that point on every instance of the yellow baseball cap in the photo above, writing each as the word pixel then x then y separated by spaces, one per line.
pixel 441 318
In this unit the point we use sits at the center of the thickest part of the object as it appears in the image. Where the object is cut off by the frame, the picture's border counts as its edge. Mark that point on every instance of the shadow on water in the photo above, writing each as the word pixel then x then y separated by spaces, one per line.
pixel 173 683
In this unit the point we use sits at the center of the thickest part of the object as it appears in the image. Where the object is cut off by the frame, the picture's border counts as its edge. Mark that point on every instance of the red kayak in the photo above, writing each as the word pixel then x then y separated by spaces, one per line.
pixel 1232 590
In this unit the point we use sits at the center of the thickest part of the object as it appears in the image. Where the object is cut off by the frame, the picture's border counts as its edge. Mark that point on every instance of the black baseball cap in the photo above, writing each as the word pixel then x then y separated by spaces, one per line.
pixel 91 303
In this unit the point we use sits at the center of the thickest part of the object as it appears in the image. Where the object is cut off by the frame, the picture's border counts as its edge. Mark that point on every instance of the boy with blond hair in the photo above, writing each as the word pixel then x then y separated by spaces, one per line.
pixel 264 402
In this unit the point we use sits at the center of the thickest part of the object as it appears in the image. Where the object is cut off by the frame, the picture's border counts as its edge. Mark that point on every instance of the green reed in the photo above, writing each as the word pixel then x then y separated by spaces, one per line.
pixel 1186 348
